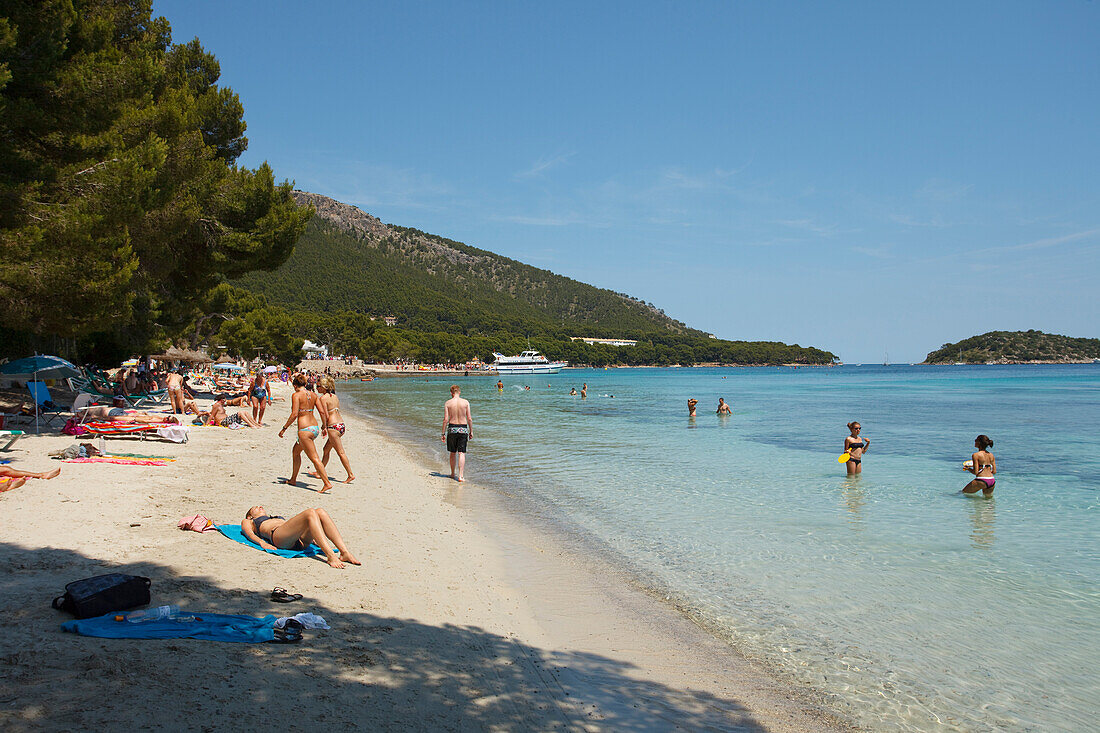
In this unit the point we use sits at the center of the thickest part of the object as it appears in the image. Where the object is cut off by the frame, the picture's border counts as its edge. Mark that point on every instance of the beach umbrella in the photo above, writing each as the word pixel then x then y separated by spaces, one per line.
pixel 130 363
pixel 270 369
pixel 51 367
pixel 229 367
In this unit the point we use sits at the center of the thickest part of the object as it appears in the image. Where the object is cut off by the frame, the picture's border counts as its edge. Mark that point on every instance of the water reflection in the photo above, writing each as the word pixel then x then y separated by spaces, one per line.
pixel 983 515
pixel 854 499
pixel 691 422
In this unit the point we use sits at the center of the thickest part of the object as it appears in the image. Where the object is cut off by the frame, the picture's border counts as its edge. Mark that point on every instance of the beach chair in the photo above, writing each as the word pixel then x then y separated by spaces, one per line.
pixel 169 431
pixel 10 436
pixel 47 410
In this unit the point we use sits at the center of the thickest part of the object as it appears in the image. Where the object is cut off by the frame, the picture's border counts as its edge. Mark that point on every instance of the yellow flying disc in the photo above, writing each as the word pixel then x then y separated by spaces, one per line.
pixel 843 457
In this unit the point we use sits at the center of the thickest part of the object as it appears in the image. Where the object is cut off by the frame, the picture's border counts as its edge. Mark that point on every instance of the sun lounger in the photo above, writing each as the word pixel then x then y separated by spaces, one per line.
pixel 100 388
pixel 169 431
pixel 10 436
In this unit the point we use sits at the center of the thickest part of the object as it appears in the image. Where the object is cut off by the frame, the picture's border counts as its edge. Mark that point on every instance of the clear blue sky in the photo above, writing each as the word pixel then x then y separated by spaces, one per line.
pixel 861 177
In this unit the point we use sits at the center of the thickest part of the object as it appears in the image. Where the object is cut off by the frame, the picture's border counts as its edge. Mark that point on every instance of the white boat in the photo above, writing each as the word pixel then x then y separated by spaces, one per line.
pixel 529 362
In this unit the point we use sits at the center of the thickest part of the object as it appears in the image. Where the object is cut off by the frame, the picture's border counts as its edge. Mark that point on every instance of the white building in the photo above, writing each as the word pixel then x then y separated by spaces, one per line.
pixel 314 351
pixel 605 342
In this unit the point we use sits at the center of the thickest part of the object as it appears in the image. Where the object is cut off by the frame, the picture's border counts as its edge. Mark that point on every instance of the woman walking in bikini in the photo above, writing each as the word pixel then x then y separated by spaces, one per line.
pixel 334 427
pixel 301 409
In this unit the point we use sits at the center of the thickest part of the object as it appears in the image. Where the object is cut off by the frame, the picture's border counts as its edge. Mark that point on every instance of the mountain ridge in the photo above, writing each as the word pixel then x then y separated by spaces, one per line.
pixel 452 298
pixel 470 273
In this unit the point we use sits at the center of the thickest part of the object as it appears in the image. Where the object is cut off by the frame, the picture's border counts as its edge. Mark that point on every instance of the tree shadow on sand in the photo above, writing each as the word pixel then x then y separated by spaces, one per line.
pixel 367 672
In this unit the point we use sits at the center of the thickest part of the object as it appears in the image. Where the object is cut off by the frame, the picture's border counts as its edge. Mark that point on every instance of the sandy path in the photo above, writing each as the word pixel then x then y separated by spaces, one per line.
pixel 446 626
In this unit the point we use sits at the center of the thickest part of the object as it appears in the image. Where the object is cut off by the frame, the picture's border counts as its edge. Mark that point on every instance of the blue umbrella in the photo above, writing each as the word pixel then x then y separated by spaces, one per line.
pixel 55 366
pixel 52 366
pixel 229 367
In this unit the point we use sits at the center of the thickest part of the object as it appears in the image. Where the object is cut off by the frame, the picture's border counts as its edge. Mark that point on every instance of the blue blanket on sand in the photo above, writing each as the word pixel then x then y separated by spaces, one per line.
pixel 233 532
pixel 208 626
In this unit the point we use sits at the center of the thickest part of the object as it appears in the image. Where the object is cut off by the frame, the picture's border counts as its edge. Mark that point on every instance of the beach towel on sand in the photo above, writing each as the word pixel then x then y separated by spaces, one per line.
pixel 233 532
pixel 208 626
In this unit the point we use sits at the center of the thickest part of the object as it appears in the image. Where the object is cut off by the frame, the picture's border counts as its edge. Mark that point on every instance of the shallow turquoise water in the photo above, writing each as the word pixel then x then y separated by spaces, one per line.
pixel 915 607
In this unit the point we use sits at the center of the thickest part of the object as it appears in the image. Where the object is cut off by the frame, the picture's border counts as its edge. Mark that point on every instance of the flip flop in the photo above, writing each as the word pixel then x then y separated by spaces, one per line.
pixel 282 596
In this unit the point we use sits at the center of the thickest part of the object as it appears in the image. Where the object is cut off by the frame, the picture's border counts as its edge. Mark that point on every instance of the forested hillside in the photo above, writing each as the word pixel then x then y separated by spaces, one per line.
pixel 1010 347
pixel 454 302
pixel 349 260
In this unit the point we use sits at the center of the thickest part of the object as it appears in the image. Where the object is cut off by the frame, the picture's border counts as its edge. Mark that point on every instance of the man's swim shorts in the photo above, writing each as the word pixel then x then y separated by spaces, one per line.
pixel 457 435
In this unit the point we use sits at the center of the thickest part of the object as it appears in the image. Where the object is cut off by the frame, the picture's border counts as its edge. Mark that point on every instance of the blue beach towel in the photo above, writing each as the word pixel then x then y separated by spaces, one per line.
pixel 233 532
pixel 208 626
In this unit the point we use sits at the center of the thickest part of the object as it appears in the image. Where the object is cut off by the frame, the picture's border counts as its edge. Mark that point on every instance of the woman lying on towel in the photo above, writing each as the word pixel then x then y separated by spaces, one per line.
pixel 312 525
pixel 116 413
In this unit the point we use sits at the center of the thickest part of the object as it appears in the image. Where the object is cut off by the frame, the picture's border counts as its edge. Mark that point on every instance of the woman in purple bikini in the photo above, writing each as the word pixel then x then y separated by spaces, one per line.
pixel 984 467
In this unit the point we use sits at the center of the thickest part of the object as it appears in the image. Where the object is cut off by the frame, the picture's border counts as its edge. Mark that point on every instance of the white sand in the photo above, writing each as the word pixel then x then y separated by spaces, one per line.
pixel 450 623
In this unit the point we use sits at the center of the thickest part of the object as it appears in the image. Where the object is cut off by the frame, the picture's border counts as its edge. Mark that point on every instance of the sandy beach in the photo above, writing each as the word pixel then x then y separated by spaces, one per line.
pixel 453 622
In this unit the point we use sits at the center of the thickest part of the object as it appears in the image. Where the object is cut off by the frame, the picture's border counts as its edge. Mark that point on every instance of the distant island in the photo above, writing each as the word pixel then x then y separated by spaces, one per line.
pixel 1017 347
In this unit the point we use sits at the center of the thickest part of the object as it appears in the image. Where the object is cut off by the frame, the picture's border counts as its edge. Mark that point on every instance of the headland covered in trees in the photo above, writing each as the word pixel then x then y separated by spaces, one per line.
pixel 453 302
pixel 1017 347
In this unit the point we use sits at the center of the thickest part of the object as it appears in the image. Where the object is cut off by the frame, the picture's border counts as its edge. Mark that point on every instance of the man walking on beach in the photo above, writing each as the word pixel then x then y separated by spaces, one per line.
pixel 457 430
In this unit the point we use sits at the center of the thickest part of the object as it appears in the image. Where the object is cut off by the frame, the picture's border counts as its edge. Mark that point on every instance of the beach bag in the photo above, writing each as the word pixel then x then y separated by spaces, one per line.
pixel 104 594
pixel 197 523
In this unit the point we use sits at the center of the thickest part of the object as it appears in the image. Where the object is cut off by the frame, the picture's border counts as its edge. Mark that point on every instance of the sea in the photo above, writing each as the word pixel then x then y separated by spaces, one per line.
pixel 906 604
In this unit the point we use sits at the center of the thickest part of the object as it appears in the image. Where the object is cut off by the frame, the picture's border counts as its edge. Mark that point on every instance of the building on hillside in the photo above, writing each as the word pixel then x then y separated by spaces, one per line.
pixel 314 351
pixel 390 320
pixel 605 342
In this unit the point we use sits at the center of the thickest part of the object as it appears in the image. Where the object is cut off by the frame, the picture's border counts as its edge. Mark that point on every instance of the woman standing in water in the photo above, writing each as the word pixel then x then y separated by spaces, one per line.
pixel 334 426
pixel 855 446
pixel 984 466
pixel 301 409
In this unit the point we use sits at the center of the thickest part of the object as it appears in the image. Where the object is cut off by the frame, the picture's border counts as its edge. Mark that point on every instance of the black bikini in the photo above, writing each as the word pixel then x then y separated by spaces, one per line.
pixel 852 447
pixel 257 521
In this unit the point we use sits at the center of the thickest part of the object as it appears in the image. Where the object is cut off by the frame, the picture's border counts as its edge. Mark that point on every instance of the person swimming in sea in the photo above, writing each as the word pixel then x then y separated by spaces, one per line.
pixel 691 406
pixel 500 386
pixel 855 446
pixel 573 392
pixel 723 408
pixel 984 467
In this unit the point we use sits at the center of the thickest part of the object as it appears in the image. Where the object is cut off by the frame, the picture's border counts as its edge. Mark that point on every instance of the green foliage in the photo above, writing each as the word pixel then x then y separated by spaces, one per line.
pixel 1016 346
pixel 456 303
pixel 434 284
pixel 246 326
pixel 120 203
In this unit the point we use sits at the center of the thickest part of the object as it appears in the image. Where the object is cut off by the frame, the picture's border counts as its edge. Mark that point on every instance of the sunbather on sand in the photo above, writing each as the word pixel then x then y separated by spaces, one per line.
pixel 6 472
pixel 103 413
pixel 11 483
pixel 219 416
pixel 312 525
